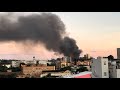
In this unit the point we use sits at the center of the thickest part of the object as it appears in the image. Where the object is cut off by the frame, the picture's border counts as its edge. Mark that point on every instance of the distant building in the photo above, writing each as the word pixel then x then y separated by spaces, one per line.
pixel 16 63
pixel 35 69
pixel 118 53
pixel 85 62
pixel 65 64
pixel 29 62
pixel 42 62
pixel 58 65
pixel 99 68
pixel 67 59
pixel 7 65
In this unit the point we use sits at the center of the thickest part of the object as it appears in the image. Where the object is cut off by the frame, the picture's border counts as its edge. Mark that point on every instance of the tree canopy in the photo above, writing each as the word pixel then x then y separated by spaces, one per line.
pixel 110 57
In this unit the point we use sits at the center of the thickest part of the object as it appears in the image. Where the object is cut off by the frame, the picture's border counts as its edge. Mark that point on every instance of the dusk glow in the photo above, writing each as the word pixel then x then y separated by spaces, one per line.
pixel 96 33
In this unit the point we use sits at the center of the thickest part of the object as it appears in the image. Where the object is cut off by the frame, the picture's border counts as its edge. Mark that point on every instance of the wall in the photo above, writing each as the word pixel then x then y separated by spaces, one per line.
pixel 118 53
pixel 36 69
pixel 113 72
pixel 43 62
pixel 104 63
pixel 96 68
pixel 16 63
pixel 84 63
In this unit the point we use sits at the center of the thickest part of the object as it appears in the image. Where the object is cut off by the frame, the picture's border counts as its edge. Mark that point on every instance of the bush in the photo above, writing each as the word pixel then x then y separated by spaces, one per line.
pixel 3 69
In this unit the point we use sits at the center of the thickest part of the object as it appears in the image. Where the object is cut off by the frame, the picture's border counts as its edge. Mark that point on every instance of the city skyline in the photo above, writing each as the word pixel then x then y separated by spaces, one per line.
pixel 96 33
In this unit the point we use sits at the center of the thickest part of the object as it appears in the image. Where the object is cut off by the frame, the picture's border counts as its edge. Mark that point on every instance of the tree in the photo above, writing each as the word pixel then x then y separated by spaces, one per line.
pixel 82 69
pixel 110 57
pixel 66 68
pixel 3 69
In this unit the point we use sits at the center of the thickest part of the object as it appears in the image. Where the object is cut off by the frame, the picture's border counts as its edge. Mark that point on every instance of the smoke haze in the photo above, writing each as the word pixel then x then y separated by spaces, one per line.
pixel 44 28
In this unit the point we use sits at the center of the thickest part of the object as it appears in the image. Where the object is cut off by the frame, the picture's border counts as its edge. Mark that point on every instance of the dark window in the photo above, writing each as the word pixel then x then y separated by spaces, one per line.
pixel 105 63
pixel 91 61
pixel 105 74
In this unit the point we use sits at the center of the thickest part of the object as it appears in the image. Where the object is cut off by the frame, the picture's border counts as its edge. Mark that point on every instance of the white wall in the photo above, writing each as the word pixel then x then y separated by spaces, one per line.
pixel 8 66
pixel 16 63
pixel 30 62
pixel 98 68
pixel 104 65
pixel 113 71
pixel 118 73
pixel 43 62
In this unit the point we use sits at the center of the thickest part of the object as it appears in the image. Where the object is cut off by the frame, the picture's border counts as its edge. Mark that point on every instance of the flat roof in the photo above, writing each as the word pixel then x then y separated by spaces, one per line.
pixel 80 74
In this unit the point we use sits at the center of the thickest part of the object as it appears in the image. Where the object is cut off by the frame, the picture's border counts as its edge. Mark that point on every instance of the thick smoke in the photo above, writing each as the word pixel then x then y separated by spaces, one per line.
pixel 45 28
pixel 69 48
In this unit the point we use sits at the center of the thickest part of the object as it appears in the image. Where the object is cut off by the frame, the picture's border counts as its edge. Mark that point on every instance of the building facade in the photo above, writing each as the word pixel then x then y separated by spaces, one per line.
pixel 114 70
pixel 16 63
pixel 36 70
pixel 118 53
pixel 99 68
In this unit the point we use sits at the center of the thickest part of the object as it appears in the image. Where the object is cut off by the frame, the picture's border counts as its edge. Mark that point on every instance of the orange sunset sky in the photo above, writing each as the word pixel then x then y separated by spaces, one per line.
pixel 96 33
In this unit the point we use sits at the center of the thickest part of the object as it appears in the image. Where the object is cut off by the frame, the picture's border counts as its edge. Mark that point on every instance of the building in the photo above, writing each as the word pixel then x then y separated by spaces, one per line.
pixel 85 62
pixel 42 62
pixel 30 62
pixel 58 65
pixel 118 53
pixel 6 63
pixel 65 64
pixel 87 56
pixel 35 70
pixel 67 59
pixel 16 63
pixel 56 73
pixel 99 68
pixel 114 69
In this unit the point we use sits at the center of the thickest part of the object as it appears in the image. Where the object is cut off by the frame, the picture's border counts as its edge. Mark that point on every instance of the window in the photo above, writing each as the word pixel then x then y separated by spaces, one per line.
pixel 105 63
pixel 91 61
pixel 105 74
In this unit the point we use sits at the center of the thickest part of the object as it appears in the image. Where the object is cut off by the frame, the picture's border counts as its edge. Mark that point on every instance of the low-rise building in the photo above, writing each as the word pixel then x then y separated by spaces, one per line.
pixel 7 65
pixel 30 62
pixel 65 64
pixel 34 70
pixel 85 62
pixel 114 69
pixel 16 63
pixel 42 62
pixel 100 68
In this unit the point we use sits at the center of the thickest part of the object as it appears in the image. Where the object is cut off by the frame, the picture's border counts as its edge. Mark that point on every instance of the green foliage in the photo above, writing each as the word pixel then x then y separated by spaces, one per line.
pixel 8 76
pixel 79 69
pixel 66 68
pixel 15 69
pixel 110 57
pixel 3 69
pixel 82 69
pixel 52 64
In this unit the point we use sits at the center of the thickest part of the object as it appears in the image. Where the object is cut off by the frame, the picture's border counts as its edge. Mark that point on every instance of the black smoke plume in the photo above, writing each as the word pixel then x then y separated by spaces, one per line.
pixel 69 48
pixel 45 28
